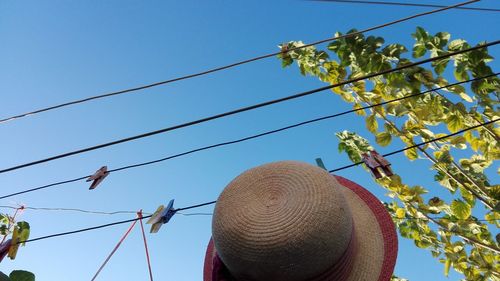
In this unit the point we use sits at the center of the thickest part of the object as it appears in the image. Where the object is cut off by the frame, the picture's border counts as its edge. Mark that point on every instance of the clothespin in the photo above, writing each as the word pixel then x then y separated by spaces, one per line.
pixel 320 164
pixel 161 216
pixel 385 165
pixel 284 48
pixel 374 162
pixel 98 177
pixel 4 249
pixel 14 244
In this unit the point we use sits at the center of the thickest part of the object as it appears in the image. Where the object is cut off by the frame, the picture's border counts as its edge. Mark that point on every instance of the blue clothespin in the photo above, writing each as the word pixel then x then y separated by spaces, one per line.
pixel 320 164
pixel 161 216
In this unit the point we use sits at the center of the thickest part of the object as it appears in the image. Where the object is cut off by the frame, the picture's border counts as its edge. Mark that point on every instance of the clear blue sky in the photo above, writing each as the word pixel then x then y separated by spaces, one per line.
pixel 56 51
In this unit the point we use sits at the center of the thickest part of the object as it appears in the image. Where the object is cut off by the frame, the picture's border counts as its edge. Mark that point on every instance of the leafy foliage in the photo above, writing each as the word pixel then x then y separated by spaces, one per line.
pixel 18 275
pixel 18 231
pixel 457 231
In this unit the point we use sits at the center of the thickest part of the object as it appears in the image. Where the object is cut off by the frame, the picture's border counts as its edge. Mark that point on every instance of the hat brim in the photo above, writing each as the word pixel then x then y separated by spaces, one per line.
pixel 376 238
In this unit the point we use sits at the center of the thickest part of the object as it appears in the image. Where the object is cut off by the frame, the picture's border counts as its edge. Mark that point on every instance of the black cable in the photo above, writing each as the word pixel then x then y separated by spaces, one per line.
pixel 83 230
pixel 420 144
pixel 251 137
pixel 135 89
pixel 196 206
pixel 213 202
pixel 244 109
pixel 45 186
pixel 405 4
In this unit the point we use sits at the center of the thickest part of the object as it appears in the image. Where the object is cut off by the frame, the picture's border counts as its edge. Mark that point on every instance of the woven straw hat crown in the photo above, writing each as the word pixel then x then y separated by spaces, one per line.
pixel 281 221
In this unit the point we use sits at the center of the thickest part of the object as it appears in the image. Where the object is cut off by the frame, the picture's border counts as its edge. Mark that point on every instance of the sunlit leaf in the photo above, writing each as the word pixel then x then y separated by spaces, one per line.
pixel 383 138
pixel 371 123
pixel 460 209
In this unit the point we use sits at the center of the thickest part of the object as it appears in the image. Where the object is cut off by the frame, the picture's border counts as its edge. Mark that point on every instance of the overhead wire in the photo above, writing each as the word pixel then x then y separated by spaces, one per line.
pixel 213 202
pixel 143 87
pixel 249 137
pixel 420 144
pixel 247 108
pixel 406 4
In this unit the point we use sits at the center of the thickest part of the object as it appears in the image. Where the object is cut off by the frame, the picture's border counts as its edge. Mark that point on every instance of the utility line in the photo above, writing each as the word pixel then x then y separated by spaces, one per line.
pixel 249 137
pixel 419 144
pixel 405 4
pixel 135 89
pixel 244 109
pixel 213 202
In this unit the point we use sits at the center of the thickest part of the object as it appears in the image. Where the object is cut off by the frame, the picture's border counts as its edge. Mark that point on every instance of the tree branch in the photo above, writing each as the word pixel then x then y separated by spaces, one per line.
pixel 434 161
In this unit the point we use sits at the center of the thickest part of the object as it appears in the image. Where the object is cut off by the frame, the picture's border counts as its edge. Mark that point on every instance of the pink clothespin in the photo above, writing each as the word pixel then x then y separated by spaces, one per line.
pixel 98 177
pixel 161 216
pixel 374 162
pixel 4 249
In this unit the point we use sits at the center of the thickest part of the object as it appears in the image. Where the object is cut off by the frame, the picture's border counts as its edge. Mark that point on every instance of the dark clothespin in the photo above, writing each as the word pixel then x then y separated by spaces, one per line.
pixel 284 48
pixel 374 162
pixel 98 177
pixel 4 249
pixel 320 164
pixel 161 216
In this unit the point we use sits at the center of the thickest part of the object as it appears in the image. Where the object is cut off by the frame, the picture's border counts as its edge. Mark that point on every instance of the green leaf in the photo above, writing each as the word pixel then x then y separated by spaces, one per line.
pixel 447 265
pixel 466 97
pixel 21 275
pixel 418 50
pixel 411 153
pixel 456 45
pixel 359 109
pixel 440 65
pixel 371 123
pixel 420 34
pixel 400 213
pixel 460 74
pixel 460 209
pixel 24 231
pixel 454 123
pixel 383 138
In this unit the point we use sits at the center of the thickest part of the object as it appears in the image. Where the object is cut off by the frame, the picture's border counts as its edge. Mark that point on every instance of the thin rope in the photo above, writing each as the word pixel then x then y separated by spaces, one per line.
pixel 405 4
pixel 250 137
pixel 135 89
pixel 145 246
pixel 108 224
pixel 72 210
pixel 244 109
pixel 114 250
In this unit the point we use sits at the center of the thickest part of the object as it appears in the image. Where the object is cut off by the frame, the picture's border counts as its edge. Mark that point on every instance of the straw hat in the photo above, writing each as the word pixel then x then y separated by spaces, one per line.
pixel 291 221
